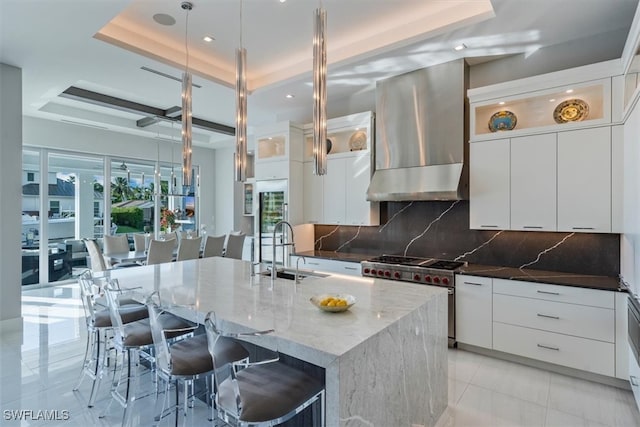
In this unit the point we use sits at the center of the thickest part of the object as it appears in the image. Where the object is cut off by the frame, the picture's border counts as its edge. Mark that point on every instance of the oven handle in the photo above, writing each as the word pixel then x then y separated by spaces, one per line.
pixel 451 291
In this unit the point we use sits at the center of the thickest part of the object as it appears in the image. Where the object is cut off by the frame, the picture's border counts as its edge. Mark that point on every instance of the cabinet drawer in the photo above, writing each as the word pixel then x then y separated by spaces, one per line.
pixel 578 353
pixel 329 265
pixel 559 293
pixel 571 319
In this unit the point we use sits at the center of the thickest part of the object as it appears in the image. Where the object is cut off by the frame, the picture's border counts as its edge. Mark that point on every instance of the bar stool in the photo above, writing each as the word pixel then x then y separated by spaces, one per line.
pixel 186 360
pixel 99 329
pixel 263 393
pixel 134 340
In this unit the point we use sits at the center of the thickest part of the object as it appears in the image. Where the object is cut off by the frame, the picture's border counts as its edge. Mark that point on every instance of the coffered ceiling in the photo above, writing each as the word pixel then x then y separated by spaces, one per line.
pixel 116 48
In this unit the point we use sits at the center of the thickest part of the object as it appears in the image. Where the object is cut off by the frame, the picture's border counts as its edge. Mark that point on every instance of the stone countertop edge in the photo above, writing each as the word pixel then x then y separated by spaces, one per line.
pixel 541 276
pixel 511 273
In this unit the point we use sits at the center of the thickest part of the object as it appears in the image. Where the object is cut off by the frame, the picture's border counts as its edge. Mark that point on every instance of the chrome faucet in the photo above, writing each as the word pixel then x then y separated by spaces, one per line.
pixel 274 271
pixel 300 257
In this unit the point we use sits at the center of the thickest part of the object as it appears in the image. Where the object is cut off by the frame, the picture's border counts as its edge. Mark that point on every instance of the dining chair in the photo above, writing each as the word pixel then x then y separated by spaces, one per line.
pixel 116 244
pixel 185 360
pixel 235 244
pixel 160 251
pixel 214 246
pixel 99 329
pixel 98 262
pixel 189 249
pixel 261 393
pixel 139 242
pixel 134 340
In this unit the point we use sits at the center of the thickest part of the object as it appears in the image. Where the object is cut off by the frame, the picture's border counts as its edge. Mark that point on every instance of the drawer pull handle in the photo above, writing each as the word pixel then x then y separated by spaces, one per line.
pixel 633 380
pixel 582 228
pixel 534 227
pixel 548 317
pixel 351 268
pixel 313 263
pixel 549 347
pixel 548 293
pixel 473 283
pixel 489 226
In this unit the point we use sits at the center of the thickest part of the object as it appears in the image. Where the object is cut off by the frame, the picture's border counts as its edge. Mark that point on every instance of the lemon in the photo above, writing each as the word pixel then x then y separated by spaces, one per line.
pixel 341 303
pixel 331 303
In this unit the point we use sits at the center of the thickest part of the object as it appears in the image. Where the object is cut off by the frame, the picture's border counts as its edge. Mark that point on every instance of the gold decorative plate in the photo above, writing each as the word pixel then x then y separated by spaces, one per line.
pixel 358 141
pixel 502 120
pixel 571 110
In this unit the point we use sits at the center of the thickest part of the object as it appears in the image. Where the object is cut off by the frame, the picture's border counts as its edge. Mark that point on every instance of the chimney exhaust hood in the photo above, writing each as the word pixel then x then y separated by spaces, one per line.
pixel 421 135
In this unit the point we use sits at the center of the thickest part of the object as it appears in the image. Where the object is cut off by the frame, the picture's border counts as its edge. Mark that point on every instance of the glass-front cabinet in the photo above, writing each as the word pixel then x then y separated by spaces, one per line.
pixel 562 107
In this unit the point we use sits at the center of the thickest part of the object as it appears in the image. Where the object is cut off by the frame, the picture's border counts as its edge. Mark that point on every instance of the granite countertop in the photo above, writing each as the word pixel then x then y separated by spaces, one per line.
pixel 542 276
pixel 511 273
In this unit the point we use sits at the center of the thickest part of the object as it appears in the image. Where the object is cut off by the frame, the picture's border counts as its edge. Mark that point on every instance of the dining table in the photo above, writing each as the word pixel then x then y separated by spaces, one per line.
pixel 383 361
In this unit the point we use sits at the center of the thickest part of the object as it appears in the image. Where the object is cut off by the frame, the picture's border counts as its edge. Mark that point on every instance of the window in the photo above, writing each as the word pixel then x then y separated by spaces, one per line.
pixel 30 177
pixel 54 208
pixel 96 209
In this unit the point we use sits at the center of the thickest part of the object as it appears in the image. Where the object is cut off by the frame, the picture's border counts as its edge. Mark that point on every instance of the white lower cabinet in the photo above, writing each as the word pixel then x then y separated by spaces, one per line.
pixel 328 265
pixel 579 353
pixel 473 310
pixel 570 326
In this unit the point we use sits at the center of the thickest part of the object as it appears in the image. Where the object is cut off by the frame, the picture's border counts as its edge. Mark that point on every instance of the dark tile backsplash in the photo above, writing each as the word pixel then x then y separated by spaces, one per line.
pixel 441 230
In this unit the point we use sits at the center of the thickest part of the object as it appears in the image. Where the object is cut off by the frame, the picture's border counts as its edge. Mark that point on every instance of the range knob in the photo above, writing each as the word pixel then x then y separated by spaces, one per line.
pixel 396 274
pixel 427 279
pixel 380 273
pixel 436 280
pixel 416 277
pixel 387 273
pixel 367 270
pixel 445 280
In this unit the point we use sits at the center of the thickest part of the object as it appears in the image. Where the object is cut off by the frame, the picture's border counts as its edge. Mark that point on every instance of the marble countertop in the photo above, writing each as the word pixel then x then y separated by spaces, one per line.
pixel 528 274
pixel 248 302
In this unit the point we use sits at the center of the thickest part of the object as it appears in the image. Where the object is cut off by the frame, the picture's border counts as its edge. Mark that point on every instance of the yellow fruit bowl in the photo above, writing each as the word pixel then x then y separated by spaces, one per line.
pixel 333 302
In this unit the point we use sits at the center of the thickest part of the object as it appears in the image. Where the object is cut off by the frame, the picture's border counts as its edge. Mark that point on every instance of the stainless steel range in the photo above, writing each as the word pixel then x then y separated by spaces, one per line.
pixel 426 271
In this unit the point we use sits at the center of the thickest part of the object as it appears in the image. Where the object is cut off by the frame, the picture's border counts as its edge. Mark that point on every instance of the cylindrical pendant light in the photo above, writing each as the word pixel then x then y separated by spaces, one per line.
pixel 186 108
pixel 241 110
pixel 320 92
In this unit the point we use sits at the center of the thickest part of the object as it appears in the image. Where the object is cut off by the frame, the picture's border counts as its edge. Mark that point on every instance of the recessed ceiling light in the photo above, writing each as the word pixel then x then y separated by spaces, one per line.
pixel 289 96
pixel 164 19
pixel 569 90
pixel 208 39
pixel 552 100
pixel 460 47
pixel 501 103
pixel 282 1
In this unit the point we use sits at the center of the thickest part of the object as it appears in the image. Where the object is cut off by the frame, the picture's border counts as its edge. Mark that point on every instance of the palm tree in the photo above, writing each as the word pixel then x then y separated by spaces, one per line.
pixel 120 190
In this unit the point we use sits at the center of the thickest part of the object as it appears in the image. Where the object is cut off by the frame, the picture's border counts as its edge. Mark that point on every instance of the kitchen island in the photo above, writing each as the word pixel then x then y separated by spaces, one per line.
pixel 384 360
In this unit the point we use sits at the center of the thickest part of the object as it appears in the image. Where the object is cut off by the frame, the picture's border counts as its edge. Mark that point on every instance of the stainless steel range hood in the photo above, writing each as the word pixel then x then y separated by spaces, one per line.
pixel 421 134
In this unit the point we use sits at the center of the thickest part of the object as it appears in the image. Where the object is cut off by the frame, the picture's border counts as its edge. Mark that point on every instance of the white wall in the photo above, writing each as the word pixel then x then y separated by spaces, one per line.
pixel 10 195
pixel 62 136
pixel 224 220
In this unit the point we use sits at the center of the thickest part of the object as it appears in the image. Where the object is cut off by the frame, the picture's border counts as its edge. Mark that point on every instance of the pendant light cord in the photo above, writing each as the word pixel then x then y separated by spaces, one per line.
pixel 186 41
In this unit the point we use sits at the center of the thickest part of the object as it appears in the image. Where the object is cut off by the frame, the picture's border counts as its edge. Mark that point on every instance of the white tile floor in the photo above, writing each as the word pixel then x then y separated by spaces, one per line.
pixel 39 368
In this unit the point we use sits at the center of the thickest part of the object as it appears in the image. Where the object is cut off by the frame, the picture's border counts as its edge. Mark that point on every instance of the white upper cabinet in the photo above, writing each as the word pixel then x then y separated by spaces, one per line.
pixel 342 191
pixel 584 180
pixel 277 142
pixel 533 183
pixel 313 195
pixel 489 176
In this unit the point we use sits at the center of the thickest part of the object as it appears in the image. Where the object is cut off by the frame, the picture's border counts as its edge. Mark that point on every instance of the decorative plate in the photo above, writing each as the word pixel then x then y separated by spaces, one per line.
pixel 329 145
pixel 502 120
pixel 333 302
pixel 571 110
pixel 358 141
